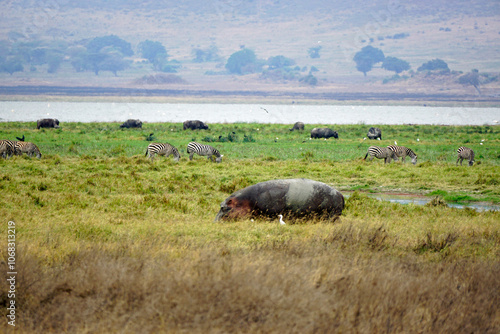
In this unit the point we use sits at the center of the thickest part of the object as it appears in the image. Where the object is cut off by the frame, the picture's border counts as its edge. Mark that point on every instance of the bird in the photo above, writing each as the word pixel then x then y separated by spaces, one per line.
pixel 281 220
pixel 395 143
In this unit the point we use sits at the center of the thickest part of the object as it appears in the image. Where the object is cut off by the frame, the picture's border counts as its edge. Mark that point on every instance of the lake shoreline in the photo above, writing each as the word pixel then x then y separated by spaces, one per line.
pixel 162 95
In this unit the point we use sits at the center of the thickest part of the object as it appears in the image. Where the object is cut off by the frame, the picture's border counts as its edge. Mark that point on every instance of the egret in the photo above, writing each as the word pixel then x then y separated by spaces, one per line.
pixel 281 220
pixel 395 143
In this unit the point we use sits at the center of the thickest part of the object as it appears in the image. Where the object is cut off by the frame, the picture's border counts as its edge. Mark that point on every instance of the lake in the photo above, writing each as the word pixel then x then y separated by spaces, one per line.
pixel 11 111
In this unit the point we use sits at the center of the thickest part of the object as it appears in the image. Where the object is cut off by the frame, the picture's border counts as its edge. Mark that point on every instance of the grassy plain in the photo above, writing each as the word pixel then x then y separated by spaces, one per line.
pixel 108 241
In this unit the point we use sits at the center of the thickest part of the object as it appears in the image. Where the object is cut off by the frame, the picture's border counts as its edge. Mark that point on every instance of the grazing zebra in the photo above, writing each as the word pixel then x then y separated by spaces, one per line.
pixel 465 153
pixel 162 149
pixel 26 147
pixel 402 152
pixel 381 153
pixel 6 148
pixel 201 149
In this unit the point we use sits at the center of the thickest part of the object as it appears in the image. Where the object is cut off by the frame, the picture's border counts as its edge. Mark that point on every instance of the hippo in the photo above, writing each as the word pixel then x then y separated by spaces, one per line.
pixel 374 133
pixel 132 123
pixel 323 133
pixel 194 125
pixel 298 126
pixel 47 123
pixel 293 198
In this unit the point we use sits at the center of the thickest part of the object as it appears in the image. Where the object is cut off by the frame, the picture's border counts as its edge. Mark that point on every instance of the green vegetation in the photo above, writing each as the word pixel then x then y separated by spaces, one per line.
pixel 395 64
pixel 367 57
pixel 434 65
pixel 108 241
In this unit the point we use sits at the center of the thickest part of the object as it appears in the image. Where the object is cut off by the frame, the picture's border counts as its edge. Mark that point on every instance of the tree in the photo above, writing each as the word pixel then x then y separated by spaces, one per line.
pixel 395 64
pixel 98 43
pixel 243 62
pixel 314 51
pixel 432 65
pixel 54 60
pixel 152 51
pixel 11 66
pixel 113 63
pixel 279 62
pixel 203 55
pixel 471 79
pixel 367 57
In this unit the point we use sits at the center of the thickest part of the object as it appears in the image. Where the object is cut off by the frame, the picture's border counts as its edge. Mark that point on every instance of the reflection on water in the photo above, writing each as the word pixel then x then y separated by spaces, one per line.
pixel 245 113
pixel 421 200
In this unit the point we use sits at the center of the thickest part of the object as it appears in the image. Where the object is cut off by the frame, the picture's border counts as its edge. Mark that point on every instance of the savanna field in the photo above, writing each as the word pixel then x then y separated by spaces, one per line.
pixel 108 241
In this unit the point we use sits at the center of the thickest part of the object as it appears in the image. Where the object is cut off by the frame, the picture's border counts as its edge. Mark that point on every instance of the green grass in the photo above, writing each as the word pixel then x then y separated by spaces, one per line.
pixel 103 233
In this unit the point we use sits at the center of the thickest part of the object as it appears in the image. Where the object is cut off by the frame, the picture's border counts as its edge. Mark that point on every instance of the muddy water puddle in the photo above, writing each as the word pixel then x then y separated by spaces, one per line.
pixel 422 200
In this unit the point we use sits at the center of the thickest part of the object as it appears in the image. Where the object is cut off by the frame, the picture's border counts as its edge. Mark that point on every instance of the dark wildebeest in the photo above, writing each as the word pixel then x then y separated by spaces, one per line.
pixel 293 198
pixel 47 123
pixel 131 123
pixel 323 133
pixel 374 133
pixel 298 126
pixel 194 125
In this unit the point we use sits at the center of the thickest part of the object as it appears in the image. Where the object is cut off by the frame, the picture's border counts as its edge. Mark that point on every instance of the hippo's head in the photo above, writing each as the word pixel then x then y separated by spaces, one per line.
pixel 234 207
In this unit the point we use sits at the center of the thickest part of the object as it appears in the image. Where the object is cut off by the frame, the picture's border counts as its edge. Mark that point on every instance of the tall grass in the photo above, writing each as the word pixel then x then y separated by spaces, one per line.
pixel 110 242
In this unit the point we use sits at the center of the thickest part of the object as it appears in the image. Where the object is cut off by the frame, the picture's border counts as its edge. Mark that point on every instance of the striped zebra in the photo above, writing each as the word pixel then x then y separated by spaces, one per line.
pixel 465 153
pixel 402 152
pixel 26 147
pixel 203 150
pixel 7 148
pixel 162 149
pixel 381 153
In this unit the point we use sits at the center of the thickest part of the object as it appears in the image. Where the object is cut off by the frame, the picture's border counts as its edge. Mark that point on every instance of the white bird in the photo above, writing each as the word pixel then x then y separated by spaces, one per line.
pixel 281 220
pixel 395 143
pixel 378 138
pixel 364 138
pixel 418 139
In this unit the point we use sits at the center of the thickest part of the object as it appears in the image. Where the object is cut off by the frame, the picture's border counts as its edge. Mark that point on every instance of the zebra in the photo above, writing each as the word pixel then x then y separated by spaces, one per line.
pixel 201 149
pixel 162 149
pixel 381 153
pixel 465 153
pixel 7 148
pixel 402 152
pixel 26 147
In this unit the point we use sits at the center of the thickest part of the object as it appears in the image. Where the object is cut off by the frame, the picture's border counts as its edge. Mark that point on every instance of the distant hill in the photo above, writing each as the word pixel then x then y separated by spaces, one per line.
pixel 465 34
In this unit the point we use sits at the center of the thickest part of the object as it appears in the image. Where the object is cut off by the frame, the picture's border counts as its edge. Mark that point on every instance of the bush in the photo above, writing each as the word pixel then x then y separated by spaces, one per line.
pixel 435 64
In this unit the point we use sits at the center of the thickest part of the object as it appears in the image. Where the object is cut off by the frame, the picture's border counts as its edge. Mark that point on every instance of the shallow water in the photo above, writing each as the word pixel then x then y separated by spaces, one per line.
pixel 250 113
pixel 422 200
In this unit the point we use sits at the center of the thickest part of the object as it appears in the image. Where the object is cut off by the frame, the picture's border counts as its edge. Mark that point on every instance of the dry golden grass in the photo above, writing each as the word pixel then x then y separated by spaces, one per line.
pixel 286 288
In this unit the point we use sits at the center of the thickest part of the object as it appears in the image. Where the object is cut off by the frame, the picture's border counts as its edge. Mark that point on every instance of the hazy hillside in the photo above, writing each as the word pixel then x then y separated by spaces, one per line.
pixel 465 34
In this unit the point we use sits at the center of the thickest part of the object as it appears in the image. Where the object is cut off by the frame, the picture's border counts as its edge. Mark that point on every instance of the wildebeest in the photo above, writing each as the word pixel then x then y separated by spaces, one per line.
pixel 194 125
pixel 374 133
pixel 298 126
pixel 47 123
pixel 293 198
pixel 131 123
pixel 323 133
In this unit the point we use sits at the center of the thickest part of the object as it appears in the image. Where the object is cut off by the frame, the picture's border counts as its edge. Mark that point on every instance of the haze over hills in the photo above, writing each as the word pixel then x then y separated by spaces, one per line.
pixel 465 34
